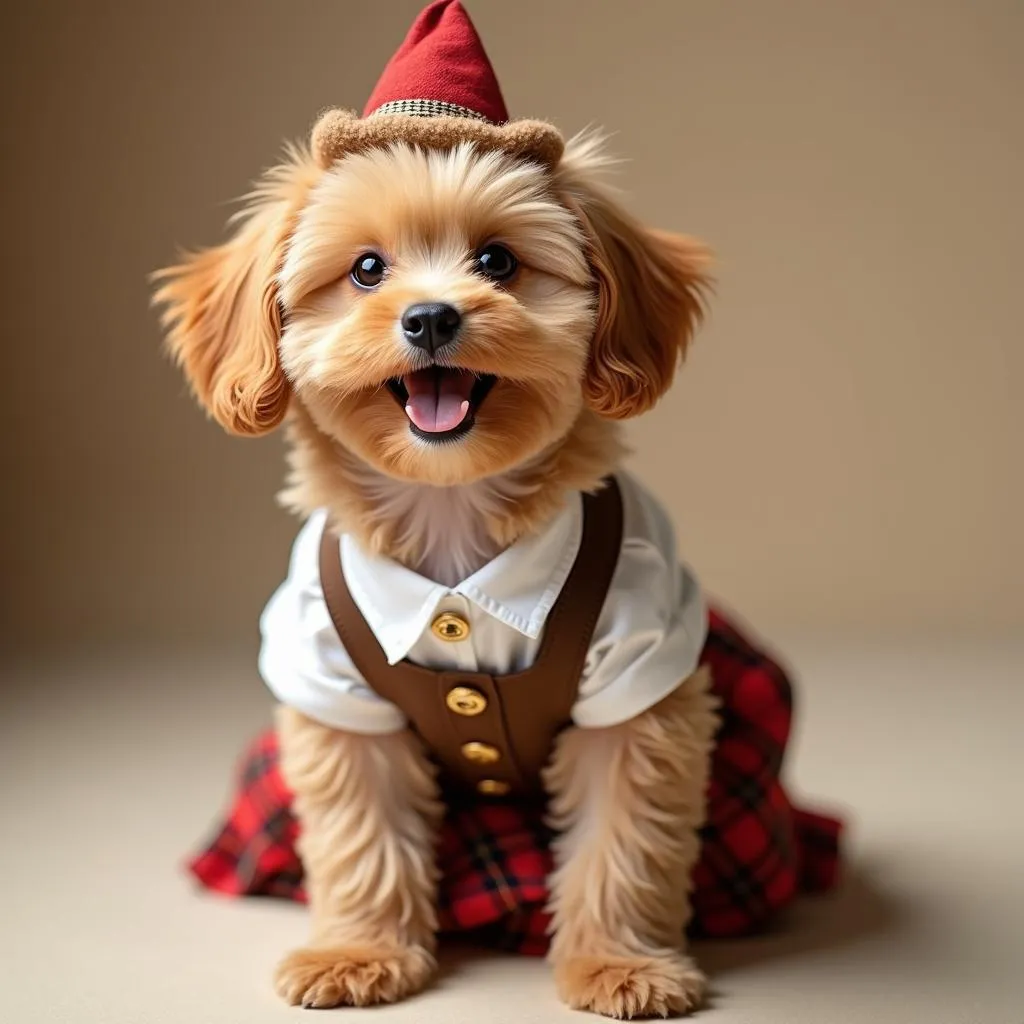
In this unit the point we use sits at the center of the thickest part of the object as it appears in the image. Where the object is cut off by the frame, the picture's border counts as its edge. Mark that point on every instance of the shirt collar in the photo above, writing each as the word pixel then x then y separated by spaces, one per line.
pixel 519 587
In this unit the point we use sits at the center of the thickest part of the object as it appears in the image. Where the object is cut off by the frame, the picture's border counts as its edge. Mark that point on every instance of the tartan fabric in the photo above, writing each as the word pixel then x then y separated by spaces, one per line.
pixel 758 853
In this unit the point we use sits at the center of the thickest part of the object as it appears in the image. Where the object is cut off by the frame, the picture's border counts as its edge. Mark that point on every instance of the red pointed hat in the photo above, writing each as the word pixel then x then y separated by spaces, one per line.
pixel 441 68
pixel 438 90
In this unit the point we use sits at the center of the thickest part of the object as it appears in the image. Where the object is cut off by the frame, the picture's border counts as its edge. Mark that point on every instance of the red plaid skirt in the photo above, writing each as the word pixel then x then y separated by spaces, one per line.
pixel 758 850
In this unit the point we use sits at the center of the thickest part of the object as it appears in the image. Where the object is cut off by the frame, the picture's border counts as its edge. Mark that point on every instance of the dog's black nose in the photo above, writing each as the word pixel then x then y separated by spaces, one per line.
pixel 431 325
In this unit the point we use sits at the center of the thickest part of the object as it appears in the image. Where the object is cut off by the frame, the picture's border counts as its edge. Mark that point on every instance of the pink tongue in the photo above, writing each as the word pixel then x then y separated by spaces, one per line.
pixel 438 399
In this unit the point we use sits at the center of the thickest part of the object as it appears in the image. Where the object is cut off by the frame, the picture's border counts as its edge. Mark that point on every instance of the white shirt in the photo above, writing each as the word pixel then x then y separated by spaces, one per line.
pixel 648 638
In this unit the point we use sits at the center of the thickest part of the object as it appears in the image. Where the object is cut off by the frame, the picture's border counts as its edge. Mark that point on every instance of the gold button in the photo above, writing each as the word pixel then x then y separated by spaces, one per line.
pixel 480 753
pixel 450 628
pixel 492 787
pixel 464 700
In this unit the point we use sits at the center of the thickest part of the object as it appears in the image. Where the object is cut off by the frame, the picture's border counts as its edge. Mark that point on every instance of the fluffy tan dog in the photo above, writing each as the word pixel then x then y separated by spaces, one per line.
pixel 449 335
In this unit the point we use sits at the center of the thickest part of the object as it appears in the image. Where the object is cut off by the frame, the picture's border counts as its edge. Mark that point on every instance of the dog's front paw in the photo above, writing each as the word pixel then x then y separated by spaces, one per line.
pixel 352 976
pixel 625 987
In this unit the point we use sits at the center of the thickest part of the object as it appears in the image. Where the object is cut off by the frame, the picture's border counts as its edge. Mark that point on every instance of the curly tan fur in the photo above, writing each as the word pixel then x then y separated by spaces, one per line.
pixel 627 802
pixel 322 475
pixel 651 289
pixel 222 313
pixel 368 811
pixel 319 979
pixel 588 332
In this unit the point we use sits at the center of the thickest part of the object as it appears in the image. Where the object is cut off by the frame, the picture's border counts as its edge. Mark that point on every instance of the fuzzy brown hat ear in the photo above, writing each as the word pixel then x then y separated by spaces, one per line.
pixel 222 315
pixel 339 133
pixel 651 287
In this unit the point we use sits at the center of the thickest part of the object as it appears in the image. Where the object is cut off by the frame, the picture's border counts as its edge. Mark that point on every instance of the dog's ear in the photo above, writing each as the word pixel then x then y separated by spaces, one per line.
pixel 221 309
pixel 650 290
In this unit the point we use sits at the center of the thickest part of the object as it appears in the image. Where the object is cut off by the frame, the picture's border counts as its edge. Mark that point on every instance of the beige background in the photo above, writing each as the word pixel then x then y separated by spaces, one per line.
pixel 844 450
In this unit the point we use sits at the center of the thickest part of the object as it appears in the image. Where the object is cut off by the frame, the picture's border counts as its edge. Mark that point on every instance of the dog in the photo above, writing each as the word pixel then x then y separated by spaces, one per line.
pixel 450 337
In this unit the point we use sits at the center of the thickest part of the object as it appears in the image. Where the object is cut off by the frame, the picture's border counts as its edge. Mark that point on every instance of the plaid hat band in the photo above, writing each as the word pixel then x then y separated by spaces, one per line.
pixel 427 108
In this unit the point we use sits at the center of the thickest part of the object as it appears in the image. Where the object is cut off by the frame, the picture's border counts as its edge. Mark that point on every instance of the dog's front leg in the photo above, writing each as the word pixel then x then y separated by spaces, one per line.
pixel 368 810
pixel 628 802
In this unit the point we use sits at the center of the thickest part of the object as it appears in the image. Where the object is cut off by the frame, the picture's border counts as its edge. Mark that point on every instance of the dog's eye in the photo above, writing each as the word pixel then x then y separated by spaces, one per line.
pixel 496 262
pixel 368 271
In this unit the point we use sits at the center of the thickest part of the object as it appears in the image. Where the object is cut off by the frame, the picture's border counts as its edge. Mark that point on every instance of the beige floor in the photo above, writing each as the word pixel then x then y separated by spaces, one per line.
pixel 111 770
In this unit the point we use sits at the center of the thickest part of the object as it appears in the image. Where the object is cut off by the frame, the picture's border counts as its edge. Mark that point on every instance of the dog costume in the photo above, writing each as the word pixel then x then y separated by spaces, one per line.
pixel 591 622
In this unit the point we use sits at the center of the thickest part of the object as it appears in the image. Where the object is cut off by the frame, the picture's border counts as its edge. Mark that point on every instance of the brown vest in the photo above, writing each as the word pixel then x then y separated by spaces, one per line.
pixel 493 734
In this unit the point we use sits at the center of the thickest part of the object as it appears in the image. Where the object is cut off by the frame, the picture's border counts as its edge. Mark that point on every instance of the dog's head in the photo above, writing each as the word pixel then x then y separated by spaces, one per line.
pixel 445 315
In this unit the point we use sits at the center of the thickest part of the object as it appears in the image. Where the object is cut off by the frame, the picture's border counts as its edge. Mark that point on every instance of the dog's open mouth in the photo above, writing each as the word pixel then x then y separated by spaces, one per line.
pixel 441 403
